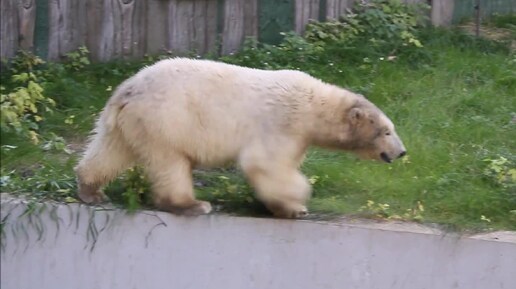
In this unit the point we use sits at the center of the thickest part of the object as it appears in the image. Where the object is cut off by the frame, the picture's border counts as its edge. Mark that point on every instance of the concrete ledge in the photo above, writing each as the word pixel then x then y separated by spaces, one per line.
pixel 81 247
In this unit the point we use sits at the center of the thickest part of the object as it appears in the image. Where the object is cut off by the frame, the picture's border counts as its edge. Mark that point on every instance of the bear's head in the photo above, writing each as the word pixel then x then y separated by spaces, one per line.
pixel 371 134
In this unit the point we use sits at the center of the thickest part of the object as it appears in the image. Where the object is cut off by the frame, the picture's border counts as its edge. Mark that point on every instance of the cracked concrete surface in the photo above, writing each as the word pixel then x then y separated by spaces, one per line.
pixel 83 247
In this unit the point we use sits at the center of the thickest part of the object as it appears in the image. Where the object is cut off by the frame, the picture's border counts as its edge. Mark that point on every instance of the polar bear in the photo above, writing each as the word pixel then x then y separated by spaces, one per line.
pixel 181 113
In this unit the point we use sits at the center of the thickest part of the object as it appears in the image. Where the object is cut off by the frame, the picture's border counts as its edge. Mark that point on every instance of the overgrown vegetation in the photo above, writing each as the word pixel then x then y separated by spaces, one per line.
pixel 22 106
pixel 451 95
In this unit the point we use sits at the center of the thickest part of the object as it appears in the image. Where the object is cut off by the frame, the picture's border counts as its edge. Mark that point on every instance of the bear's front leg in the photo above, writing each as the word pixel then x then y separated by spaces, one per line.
pixel 283 190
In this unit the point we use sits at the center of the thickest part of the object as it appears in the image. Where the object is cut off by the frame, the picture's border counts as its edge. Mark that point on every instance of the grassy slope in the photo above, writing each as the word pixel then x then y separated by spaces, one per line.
pixel 451 114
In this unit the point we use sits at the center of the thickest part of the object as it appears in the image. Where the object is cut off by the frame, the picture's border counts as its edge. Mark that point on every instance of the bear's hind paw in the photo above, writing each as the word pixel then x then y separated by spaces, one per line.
pixel 90 194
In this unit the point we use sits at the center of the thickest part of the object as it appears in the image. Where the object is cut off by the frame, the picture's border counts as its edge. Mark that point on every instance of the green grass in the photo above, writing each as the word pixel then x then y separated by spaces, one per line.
pixel 451 115
pixel 454 104
pixel 503 21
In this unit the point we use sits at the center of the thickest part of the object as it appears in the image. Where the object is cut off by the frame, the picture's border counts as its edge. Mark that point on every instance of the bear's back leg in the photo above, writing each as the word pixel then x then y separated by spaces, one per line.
pixel 170 174
pixel 105 157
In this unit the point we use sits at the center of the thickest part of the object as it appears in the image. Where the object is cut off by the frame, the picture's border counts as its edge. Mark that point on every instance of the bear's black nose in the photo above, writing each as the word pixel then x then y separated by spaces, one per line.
pixel 402 154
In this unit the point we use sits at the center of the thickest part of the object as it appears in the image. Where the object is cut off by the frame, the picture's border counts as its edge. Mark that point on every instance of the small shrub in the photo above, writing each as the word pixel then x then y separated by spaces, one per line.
pixel 53 142
pixel 22 106
pixel 379 29
pixel 501 171
pixel 387 25
pixel 137 188
pixel 78 59
pixel 293 52
pixel 233 191
pixel 439 37
pixel 131 189
pixel 503 21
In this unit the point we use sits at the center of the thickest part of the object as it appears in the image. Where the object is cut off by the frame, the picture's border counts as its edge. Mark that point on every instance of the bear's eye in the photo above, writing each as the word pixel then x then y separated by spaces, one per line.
pixel 388 133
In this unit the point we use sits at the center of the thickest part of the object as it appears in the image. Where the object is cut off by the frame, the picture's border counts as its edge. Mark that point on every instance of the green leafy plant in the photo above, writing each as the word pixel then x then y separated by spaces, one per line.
pixel 501 171
pixel 386 25
pixel 55 142
pixel 136 187
pixel 22 106
pixel 293 52
pixel 236 191
pixel 503 21
pixel 78 59
pixel 131 190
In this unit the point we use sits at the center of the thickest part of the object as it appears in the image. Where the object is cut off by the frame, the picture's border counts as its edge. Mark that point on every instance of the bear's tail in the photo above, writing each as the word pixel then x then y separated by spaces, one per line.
pixel 108 116
pixel 120 98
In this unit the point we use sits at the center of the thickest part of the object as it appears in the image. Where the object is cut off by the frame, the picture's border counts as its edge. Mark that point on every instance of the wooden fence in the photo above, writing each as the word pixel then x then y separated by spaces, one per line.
pixel 132 28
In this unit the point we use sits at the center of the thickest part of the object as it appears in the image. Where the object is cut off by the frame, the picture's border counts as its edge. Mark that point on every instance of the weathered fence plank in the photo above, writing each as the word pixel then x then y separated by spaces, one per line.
pixel 66 26
pixel 233 32
pixel 156 26
pixel 211 27
pixel 79 25
pixel 335 8
pixel 198 39
pixel 251 18
pixel 139 35
pixel 106 31
pixel 8 27
pixel 56 26
pixel 17 26
pixel 126 26
pixel 93 24
pixel 306 10
pixel 131 28
pixel 120 31
pixel 27 18
pixel 180 25
pixel 442 12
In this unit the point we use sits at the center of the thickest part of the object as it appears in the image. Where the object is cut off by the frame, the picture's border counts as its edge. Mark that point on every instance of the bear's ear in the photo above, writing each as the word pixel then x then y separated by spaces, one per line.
pixel 356 114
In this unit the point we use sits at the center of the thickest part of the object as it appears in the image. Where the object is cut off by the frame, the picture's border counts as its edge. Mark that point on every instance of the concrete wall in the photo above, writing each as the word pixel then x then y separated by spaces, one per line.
pixel 83 248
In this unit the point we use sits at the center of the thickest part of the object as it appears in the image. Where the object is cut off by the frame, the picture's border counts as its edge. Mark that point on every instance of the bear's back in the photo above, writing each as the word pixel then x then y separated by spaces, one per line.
pixel 202 106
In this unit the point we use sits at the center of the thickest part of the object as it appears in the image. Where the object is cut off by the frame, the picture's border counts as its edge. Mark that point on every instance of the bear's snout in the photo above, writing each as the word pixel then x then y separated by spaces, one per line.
pixel 385 157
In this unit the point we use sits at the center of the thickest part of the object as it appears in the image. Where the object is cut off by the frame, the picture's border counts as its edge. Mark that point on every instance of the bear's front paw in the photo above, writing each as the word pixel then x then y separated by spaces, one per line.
pixel 298 211
pixel 200 208
pixel 191 208
pixel 290 211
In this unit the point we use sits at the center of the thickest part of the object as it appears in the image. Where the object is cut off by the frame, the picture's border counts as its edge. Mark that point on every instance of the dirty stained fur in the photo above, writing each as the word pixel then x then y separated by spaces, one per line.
pixel 179 114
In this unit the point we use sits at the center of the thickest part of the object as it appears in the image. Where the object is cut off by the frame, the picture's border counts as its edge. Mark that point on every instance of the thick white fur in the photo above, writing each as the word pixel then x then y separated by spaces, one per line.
pixel 181 113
